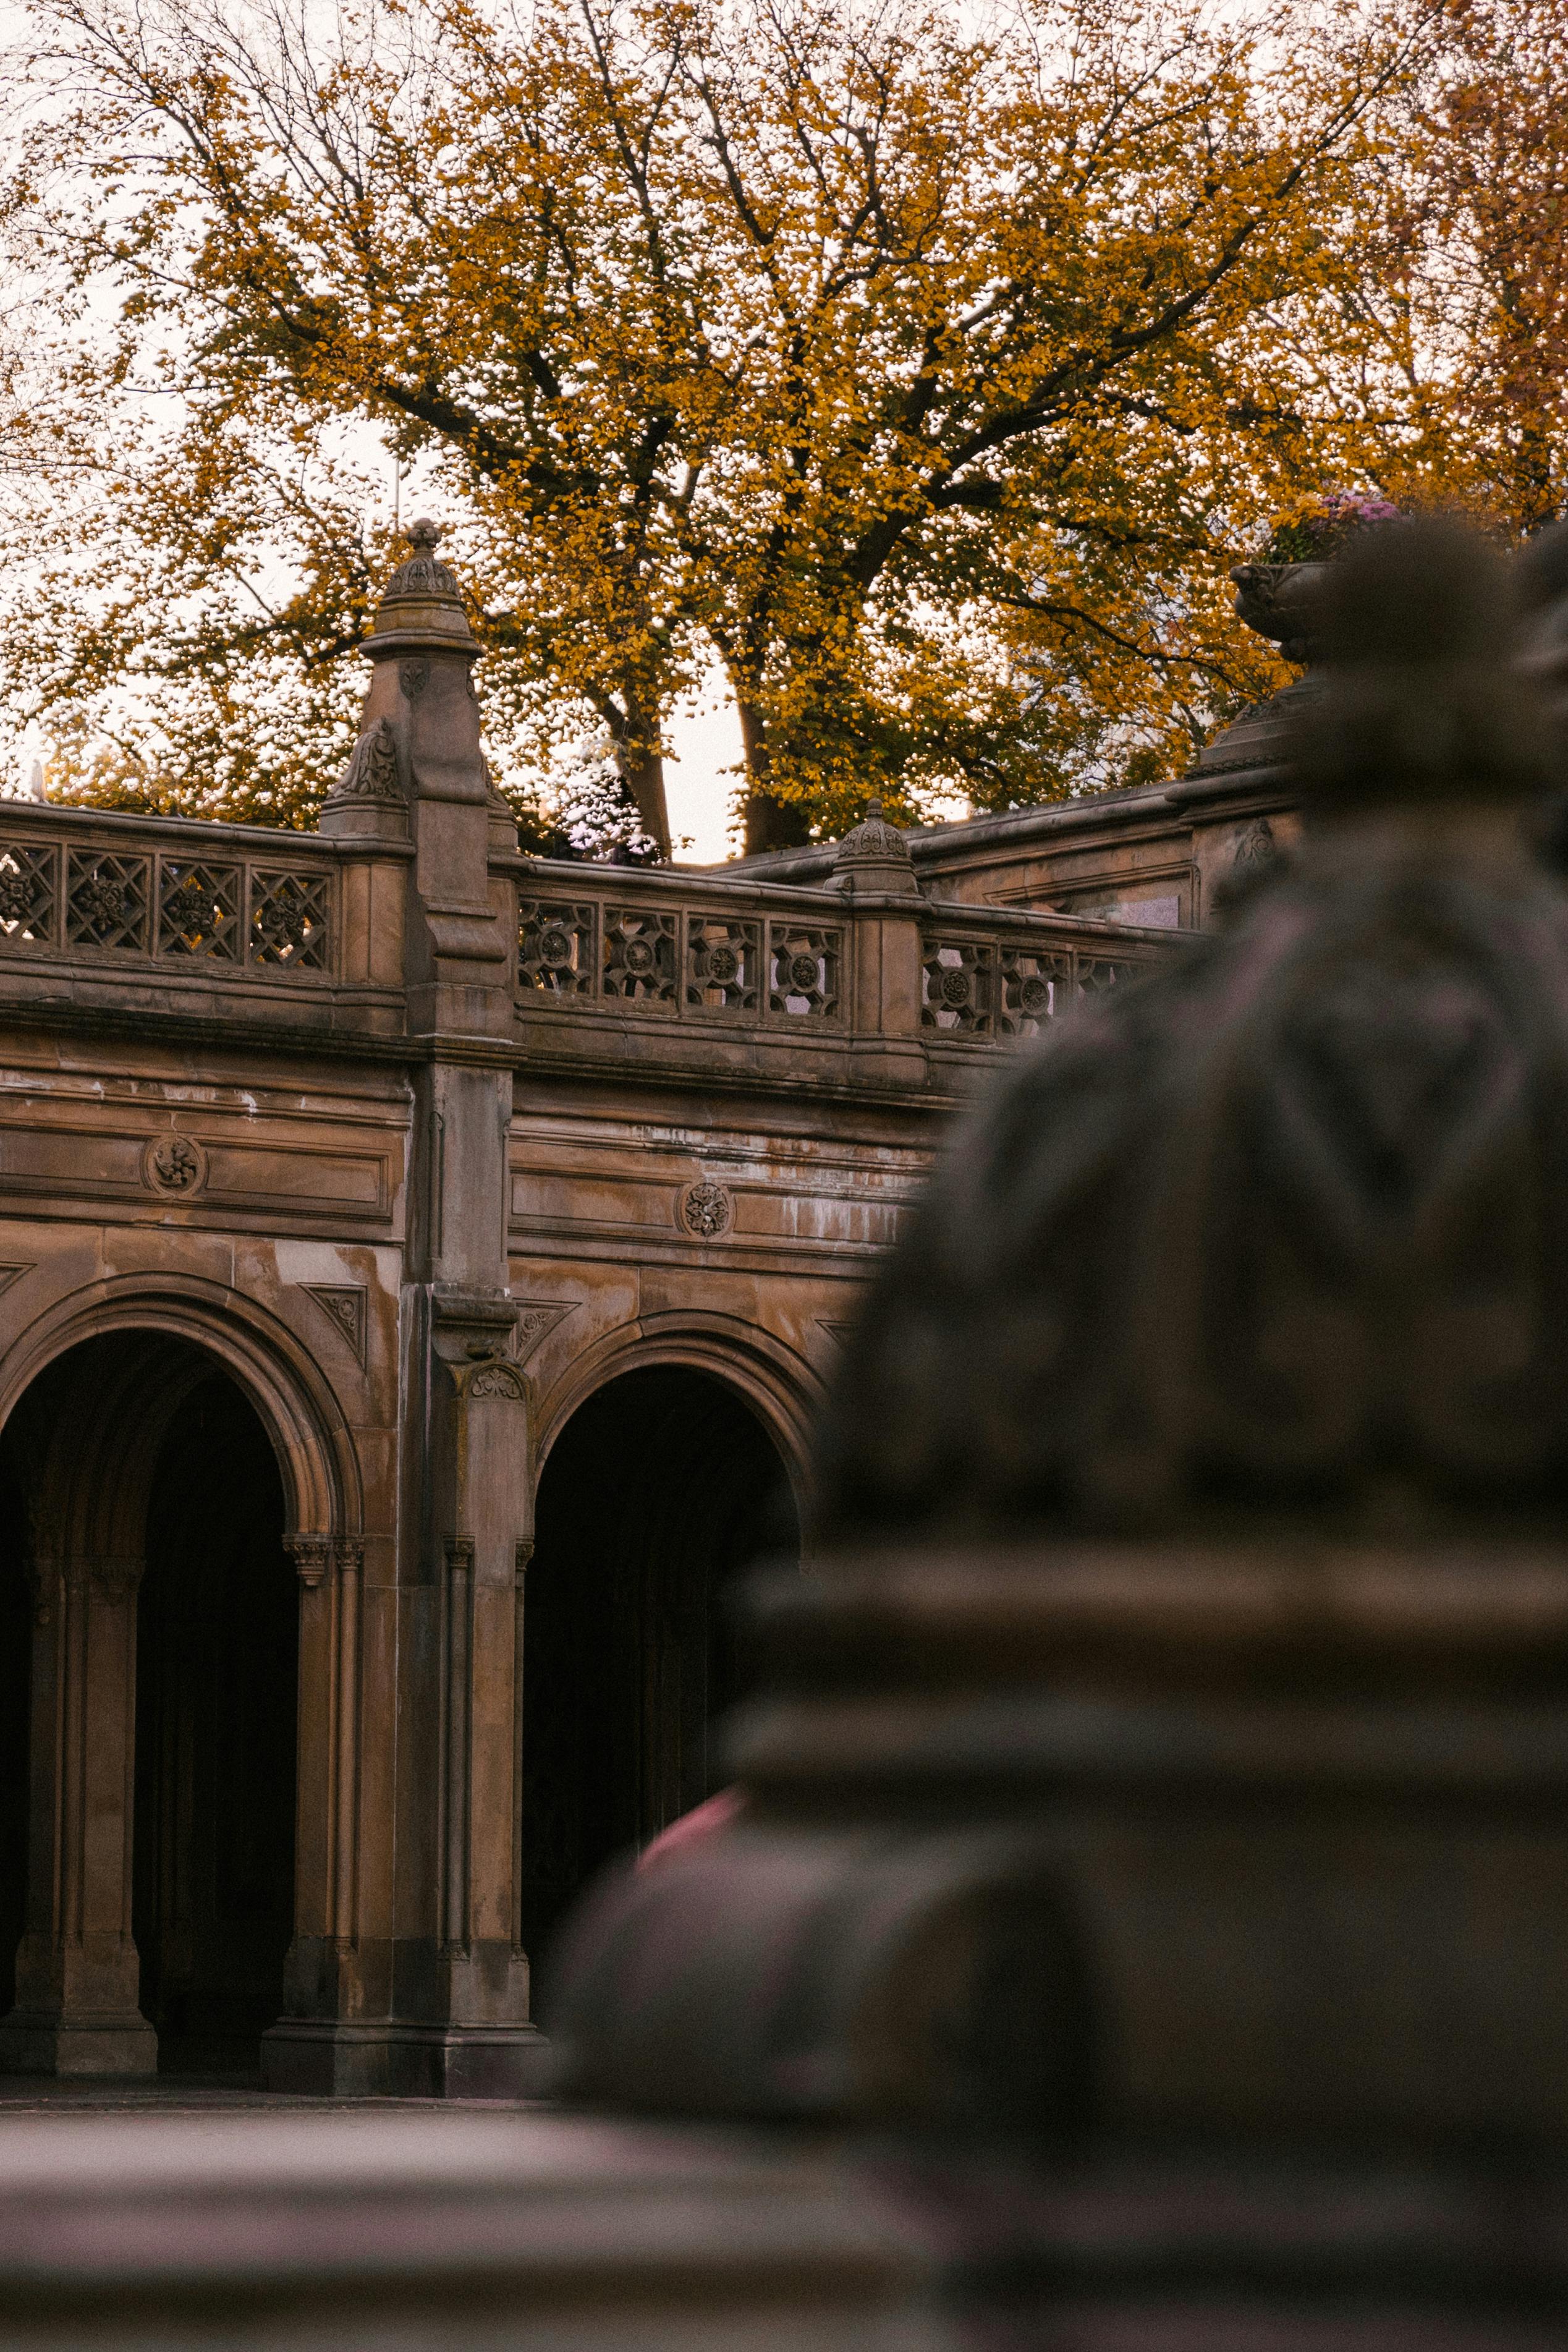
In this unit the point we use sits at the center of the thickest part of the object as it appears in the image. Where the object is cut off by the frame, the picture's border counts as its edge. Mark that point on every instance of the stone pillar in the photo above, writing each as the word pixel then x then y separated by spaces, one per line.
pixel 453 2014
pixel 874 868
pixel 78 1975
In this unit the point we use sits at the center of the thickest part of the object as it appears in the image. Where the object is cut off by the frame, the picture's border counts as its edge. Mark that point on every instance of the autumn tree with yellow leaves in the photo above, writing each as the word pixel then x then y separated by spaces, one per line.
pixel 928 375
pixel 1468 290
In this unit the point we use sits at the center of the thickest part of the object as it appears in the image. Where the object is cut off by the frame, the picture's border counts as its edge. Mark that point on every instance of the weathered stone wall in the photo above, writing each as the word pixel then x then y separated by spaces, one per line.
pixel 423 1144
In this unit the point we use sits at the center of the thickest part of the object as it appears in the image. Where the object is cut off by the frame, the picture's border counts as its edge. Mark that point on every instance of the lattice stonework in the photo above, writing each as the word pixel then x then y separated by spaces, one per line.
pixel 1096 974
pixel 107 900
pixel 803 973
pixel 198 910
pixel 723 964
pixel 29 890
pixel 638 956
pixel 958 986
pixel 289 920
pixel 555 947
pixel 1034 989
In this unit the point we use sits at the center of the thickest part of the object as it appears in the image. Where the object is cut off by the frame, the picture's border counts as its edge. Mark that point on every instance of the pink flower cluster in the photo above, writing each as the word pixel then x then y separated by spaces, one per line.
pixel 1316 535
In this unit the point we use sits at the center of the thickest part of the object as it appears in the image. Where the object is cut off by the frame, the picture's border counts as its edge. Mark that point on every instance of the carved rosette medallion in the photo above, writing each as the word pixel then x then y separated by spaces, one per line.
pixel 705 1210
pixel 174 1165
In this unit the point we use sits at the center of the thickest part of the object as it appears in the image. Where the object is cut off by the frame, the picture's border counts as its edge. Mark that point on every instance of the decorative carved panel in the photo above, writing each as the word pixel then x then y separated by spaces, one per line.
pixel 124 902
pixel 803 971
pixel 639 963
pixel 289 919
pixel 958 981
pixel 1036 986
pixel 30 895
pixel 372 772
pixel 175 1164
pixel 1097 973
pixel 344 1304
pixel 107 899
pixel 555 947
pixel 198 910
pixel 535 1317
pixel 723 964
pixel 707 1209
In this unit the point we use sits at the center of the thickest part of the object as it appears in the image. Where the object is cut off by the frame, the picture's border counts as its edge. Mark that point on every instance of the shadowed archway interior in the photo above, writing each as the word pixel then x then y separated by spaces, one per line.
pixel 661 1488
pixel 216 1668
pixel 16 1663
pixel 135 1465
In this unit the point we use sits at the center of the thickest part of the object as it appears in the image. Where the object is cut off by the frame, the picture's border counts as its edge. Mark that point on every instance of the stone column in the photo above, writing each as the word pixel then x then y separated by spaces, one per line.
pixel 432 1888
pixel 78 1974
pixel 873 869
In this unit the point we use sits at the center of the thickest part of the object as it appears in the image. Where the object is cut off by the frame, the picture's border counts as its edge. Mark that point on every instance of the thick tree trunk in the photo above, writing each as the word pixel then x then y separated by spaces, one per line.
pixel 643 776
pixel 770 823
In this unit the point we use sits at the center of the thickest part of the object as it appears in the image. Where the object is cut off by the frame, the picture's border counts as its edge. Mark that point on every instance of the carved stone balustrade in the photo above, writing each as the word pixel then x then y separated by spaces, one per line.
pixel 748 977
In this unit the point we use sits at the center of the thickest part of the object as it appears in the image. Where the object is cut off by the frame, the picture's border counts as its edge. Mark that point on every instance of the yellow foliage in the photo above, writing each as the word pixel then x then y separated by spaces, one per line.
pixel 932 376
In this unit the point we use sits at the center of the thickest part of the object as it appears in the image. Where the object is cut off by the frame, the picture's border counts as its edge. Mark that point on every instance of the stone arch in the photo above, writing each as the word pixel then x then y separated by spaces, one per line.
pixel 316 1454
pixel 670 1460
pixel 783 1389
pixel 93 1396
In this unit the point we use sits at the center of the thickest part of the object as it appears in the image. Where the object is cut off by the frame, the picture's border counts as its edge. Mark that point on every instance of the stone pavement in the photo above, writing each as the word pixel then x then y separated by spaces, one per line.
pixel 200 2215
pixel 202 2093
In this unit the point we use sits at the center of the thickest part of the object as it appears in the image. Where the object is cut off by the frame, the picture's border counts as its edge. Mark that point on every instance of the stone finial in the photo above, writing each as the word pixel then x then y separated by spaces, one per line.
pixel 421 605
pixel 874 856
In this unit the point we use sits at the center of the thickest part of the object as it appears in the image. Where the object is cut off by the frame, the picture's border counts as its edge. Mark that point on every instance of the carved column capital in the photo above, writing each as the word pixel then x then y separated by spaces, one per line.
pixel 311 1556
pixel 349 1554
pixel 521 1555
pixel 490 1374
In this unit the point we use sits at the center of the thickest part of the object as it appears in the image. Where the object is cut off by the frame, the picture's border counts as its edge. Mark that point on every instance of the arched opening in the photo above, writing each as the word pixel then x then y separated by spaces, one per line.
pixel 146 1501
pixel 15 1677
pixel 662 1488
pixel 216 1670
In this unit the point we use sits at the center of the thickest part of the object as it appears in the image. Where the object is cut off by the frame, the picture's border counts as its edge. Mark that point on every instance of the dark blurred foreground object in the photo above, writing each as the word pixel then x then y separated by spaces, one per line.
pixel 435 2233
pixel 1159 1816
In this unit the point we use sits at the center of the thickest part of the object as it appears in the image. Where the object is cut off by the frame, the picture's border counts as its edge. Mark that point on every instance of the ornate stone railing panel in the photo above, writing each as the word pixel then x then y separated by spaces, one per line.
pixel 688 960
pixel 157 903
pixel 724 964
pixel 804 971
pixel 977 987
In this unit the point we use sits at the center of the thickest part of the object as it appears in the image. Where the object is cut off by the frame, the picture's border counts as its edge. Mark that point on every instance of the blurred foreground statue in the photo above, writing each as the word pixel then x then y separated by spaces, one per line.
pixel 1158 1811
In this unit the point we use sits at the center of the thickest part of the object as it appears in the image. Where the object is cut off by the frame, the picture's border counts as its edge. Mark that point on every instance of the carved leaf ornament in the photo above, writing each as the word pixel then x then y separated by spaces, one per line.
pixel 1280 1229
pixel 372 771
